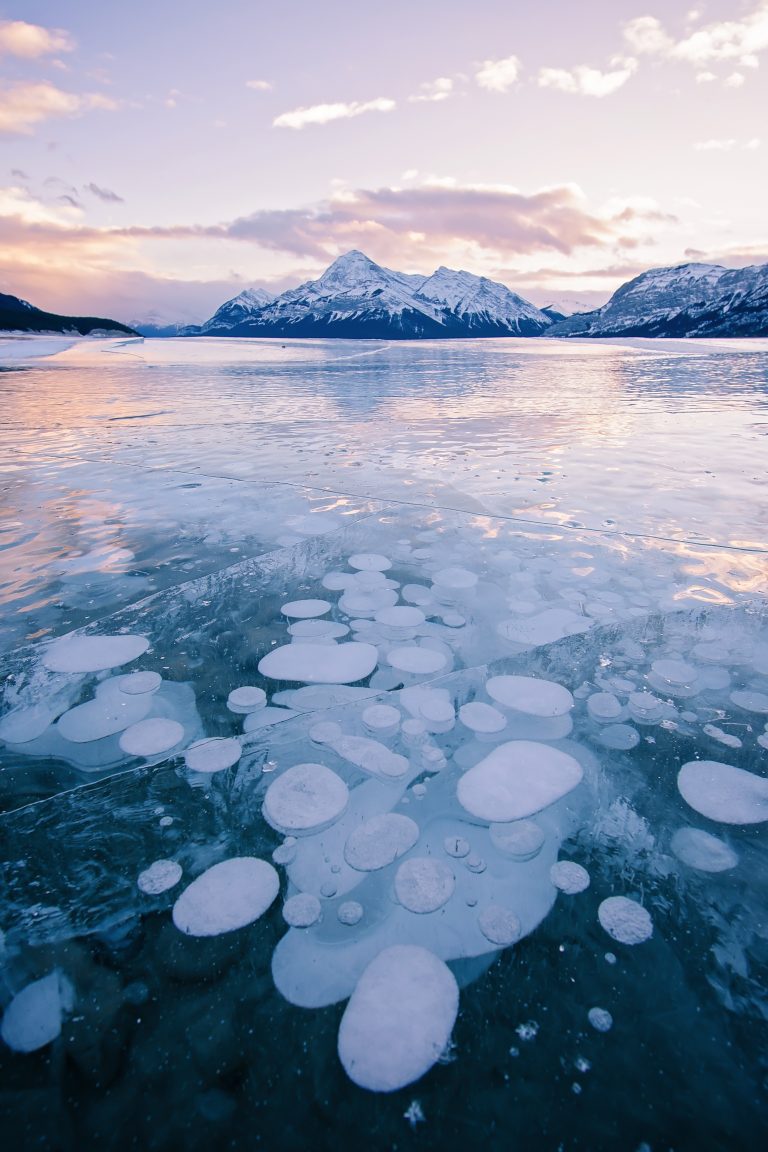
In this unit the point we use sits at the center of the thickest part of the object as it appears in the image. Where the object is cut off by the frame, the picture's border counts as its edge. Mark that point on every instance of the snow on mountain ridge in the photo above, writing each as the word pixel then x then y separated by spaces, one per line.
pixel 464 293
pixel 686 300
pixel 356 296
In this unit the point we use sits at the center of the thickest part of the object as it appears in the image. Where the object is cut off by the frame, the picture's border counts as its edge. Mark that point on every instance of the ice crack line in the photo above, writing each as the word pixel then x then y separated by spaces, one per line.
pixel 542 524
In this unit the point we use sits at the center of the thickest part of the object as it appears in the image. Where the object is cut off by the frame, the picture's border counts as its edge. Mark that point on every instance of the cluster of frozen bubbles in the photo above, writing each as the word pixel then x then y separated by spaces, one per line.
pixel 420 832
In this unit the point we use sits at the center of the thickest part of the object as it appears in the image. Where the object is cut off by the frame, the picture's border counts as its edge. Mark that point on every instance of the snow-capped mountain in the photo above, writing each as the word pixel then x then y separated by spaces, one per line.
pixel 687 300
pixel 17 315
pixel 357 298
pixel 237 310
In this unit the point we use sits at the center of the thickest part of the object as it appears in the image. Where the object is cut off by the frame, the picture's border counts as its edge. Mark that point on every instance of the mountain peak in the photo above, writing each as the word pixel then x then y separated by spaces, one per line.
pixel 351 267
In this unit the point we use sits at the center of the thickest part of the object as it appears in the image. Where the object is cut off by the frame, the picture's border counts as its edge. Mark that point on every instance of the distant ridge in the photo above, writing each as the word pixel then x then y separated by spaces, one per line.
pixel 18 315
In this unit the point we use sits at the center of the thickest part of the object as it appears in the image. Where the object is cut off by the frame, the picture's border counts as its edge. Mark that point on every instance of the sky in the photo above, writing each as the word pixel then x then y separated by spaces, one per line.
pixel 159 158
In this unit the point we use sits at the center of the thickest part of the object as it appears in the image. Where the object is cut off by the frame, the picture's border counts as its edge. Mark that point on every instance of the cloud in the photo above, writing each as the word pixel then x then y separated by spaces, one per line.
pixel 105 194
pixel 736 41
pixel 433 91
pixel 726 145
pixel 715 145
pixel 22 106
pixel 413 224
pixel 735 80
pixel 259 85
pixel 19 208
pixel 586 81
pixel 499 75
pixel 29 41
pixel 646 36
pixel 325 113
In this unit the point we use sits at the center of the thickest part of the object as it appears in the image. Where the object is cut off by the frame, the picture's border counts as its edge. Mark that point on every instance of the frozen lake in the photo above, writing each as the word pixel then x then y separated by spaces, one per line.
pixel 507 600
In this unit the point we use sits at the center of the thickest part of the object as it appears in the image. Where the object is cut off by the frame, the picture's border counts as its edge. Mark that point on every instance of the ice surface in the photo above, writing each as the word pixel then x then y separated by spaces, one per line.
pixel 516 780
pixel 399 1019
pixel 304 798
pixel 723 793
pixel 638 610
pixel 625 920
pixel 227 896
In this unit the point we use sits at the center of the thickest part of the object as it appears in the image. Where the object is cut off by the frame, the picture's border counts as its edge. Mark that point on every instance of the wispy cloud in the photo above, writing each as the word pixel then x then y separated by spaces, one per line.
pixel 433 91
pixel 22 106
pixel 733 41
pixel 715 145
pixel 325 113
pixel 105 194
pixel 727 145
pixel 259 85
pixel 29 41
pixel 585 81
pixel 498 75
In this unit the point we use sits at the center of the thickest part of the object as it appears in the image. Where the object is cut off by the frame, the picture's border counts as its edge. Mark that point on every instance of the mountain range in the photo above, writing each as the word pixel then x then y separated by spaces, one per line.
pixel 357 298
pixel 18 315
pixel 689 300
